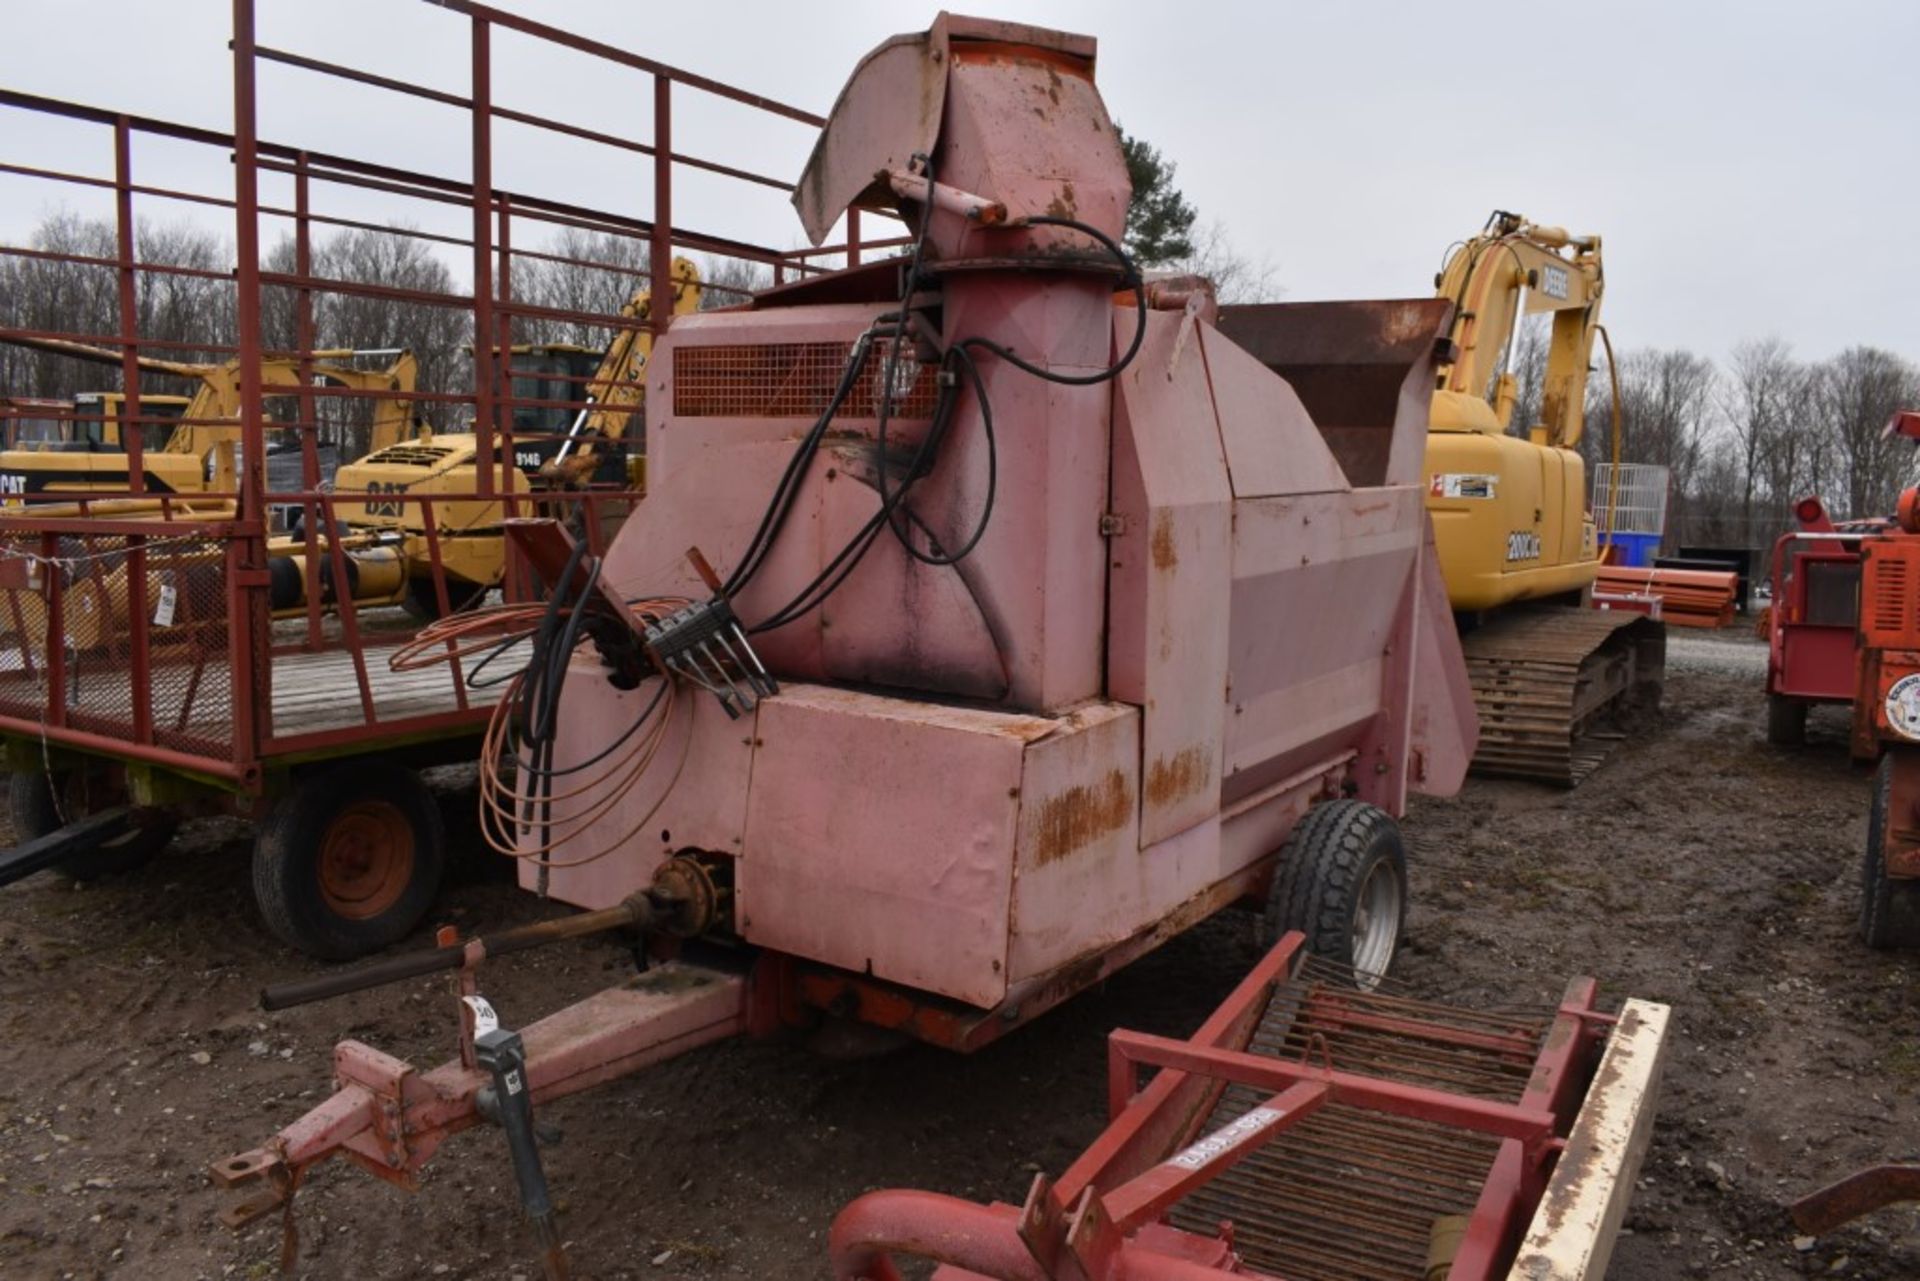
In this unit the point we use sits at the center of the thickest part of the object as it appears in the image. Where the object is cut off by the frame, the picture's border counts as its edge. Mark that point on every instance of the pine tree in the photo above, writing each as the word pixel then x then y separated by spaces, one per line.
pixel 1159 219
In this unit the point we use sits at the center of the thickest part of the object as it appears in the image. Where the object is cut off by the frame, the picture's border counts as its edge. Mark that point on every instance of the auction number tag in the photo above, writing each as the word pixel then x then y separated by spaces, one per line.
pixel 1553 282
pixel 163 609
pixel 484 1019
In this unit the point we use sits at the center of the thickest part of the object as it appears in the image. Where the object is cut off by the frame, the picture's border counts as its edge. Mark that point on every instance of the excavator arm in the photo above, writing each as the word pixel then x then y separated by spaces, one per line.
pixel 619 384
pixel 1516 267
pixel 218 396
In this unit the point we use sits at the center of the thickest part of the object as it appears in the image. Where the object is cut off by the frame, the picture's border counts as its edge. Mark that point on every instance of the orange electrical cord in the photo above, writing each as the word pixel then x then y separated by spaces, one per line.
pixel 502 804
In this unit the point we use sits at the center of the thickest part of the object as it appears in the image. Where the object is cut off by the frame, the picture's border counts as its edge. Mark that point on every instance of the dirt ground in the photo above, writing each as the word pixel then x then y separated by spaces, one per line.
pixel 1700 867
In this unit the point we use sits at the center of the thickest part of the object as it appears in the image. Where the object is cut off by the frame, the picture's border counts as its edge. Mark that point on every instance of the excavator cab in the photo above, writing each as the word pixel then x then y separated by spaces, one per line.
pixel 96 427
pixel 550 372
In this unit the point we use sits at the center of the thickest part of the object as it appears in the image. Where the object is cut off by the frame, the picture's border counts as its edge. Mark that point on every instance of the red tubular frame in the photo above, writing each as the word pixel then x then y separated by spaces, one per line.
pixel 254 743
pixel 1102 1221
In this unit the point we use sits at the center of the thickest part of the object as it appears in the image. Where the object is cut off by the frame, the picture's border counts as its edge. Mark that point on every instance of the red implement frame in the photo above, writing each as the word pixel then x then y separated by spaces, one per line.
pixel 220 700
pixel 1107 1217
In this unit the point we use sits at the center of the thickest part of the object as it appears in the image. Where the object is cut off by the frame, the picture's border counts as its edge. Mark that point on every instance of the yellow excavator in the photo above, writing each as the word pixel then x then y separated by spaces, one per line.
pixel 553 449
pixel 1516 541
pixel 194 452
pixel 88 423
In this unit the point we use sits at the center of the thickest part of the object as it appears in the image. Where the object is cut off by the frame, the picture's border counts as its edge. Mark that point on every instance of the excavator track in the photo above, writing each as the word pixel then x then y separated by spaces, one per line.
pixel 1548 682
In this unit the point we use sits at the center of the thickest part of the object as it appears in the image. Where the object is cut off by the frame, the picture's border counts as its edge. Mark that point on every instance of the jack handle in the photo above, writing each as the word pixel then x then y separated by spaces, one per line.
pixel 503 1055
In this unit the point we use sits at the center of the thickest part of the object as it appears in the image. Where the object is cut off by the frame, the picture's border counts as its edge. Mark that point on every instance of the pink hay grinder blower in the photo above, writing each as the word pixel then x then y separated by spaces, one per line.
pixel 992 616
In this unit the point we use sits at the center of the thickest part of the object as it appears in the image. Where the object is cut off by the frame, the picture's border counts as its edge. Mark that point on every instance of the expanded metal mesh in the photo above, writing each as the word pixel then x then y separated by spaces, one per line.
pixel 178 586
pixel 793 380
pixel 1640 504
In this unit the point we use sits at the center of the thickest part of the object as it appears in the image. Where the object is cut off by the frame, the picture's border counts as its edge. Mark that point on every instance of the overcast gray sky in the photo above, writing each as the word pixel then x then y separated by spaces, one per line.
pixel 1753 168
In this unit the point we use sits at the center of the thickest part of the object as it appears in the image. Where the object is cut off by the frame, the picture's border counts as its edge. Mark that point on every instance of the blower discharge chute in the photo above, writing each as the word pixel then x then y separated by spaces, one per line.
pixel 1028 620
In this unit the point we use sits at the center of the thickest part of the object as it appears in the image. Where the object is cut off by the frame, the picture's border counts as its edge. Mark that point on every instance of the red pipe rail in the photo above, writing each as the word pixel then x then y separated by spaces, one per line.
pixel 68 696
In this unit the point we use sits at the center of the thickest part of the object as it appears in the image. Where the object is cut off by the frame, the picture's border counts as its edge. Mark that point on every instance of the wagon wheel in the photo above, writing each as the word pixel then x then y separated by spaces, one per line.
pixel 1342 881
pixel 349 861
pixel 1889 909
pixel 40 804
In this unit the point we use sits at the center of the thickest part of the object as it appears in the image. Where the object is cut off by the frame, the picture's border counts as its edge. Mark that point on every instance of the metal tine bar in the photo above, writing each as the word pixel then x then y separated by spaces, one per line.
pixel 1432 1137
pixel 1380 1061
pixel 1532 1023
pixel 1323 1204
pixel 1344 1240
pixel 1377 1174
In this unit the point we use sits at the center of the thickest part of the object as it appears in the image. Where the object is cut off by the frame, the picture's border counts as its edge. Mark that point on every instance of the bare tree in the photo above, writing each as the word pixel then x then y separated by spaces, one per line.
pixel 587 271
pixel 83 299
pixel 1236 278
pixel 1763 388
pixel 1857 392
pixel 729 281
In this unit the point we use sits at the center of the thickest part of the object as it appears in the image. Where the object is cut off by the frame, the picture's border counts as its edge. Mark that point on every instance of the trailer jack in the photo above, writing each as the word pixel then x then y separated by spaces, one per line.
pixel 390 1119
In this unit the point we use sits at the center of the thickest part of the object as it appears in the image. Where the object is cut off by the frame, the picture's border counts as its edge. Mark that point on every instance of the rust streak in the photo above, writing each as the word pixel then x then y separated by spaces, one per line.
pixel 1081 815
pixel 1164 556
pixel 1186 773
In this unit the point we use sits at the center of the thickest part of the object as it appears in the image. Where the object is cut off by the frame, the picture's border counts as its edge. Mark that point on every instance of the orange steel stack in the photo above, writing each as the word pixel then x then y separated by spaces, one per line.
pixel 1687 597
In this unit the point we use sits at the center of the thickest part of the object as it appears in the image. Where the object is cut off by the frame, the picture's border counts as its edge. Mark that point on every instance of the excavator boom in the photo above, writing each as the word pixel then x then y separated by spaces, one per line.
pixel 1517 547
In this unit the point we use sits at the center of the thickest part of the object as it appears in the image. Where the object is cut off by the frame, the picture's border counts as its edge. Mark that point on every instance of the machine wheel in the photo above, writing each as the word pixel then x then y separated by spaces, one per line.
pixel 424 604
pixel 31 804
pixel 349 861
pixel 1342 880
pixel 1889 909
pixel 1786 720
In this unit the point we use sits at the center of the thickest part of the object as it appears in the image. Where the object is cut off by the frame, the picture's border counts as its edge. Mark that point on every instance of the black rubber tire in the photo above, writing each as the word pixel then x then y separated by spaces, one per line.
pixel 423 603
pixel 292 843
pixel 31 805
pixel 1889 909
pixel 1786 720
pixel 1326 860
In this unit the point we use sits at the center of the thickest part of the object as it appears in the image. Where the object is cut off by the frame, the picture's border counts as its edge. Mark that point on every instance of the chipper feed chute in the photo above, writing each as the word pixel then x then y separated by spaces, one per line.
pixel 1313 1131
pixel 1028 621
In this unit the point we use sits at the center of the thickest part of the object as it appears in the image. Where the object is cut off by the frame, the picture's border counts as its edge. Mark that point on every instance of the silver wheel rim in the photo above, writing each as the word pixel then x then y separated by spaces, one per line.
pixel 1376 923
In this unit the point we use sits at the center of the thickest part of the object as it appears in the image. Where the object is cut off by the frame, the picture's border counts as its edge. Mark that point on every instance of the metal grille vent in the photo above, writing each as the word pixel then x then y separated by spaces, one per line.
pixel 411 455
pixel 1893 611
pixel 791 380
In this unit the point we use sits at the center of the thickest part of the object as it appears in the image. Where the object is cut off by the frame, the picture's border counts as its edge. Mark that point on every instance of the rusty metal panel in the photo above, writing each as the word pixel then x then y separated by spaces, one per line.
pixel 1078 882
pixel 897 860
pixel 1364 370
pixel 1301 690
pixel 1271 443
pixel 1443 727
pixel 896 621
pixel 889 110
pixel 1171 578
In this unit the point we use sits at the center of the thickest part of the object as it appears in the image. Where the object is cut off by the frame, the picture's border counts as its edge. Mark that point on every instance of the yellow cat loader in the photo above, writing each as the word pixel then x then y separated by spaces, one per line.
pixel 553 449
pixel 1516 541
pixel 193 454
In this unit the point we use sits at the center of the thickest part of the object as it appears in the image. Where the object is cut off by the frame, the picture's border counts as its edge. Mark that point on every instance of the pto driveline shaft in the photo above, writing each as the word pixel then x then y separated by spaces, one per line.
pixel 636 911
